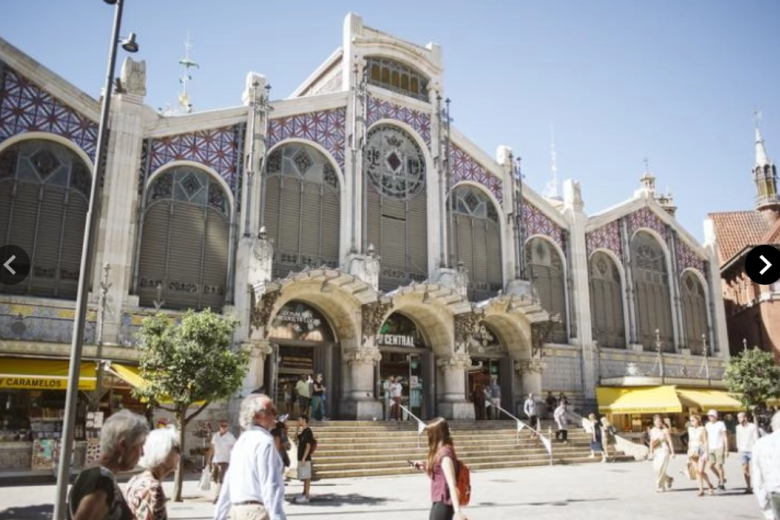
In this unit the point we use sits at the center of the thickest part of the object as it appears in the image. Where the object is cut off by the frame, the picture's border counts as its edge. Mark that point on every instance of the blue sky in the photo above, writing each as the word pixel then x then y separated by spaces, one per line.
pixel 674 81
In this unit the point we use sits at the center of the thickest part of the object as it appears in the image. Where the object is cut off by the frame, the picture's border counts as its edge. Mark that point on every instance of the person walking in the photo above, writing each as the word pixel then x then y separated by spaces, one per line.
pixel 596 438
pixel 562 433
pixel 317 403
pixel 697 453
pixel 254 485
pixel 765 471
pixel 529 408
pixel 305 447
pixel 396 393
pixel 303 389
pixel 747 435
pixel 218 458
pixel 441 469
pixel 495 397
pixel 96 495
pixel 661 450
pixel 144 493
pixel 718 447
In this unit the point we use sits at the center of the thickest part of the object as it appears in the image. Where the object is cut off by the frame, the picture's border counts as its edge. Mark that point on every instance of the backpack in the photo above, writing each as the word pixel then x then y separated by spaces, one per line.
pixel 463 483
pixel 313 447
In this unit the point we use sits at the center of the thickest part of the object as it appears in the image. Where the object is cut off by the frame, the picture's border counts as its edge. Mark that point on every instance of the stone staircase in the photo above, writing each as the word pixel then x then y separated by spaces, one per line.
pixel 373 448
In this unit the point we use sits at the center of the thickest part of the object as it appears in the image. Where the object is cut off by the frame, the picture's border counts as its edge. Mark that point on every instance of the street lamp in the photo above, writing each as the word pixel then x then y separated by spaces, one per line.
pixel 129 44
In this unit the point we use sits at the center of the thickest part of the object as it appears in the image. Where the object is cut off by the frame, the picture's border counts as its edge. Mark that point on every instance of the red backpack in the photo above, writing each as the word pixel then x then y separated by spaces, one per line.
pixel 463 483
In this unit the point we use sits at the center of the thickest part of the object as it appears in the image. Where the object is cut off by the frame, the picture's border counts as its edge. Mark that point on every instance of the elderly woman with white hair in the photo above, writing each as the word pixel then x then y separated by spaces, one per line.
pixel 144 493
pixel 95 494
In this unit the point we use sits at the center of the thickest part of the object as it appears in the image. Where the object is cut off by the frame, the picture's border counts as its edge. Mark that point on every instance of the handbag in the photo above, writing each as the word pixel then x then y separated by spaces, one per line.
pixel 204 484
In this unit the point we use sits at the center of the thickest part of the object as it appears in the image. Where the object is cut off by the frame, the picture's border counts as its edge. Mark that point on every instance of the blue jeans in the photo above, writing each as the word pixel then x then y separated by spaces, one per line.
pixel 317 407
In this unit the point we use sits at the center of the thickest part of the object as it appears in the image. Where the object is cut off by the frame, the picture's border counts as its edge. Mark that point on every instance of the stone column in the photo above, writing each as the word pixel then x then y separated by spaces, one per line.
pixel 358 399
pixel 254 264
pixel 530 373
pixel 259 351
pixel 452 395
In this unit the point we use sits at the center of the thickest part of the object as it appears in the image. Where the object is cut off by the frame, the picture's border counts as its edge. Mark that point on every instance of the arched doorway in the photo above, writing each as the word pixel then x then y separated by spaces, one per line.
pixel 304 344
pixel 490 359
pixel 407 357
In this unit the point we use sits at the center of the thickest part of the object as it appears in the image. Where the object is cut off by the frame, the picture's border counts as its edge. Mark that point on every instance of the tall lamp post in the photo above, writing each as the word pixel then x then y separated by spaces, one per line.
pixel 90 228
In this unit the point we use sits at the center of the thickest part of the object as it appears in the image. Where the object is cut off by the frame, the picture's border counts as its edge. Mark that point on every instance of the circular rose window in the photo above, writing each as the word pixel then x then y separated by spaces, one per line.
pixel 394 162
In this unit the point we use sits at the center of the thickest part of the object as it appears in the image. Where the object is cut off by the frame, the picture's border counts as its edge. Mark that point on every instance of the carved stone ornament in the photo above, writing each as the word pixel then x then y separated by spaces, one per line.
pixel 261 314
pixel 540 334
pixel 462 280
pixel 528 366
pixel 466 325
pixel 133 77
pixel 362 356
pixel 373 315
pixel 263 249
pixel 456 361
pixel 258 349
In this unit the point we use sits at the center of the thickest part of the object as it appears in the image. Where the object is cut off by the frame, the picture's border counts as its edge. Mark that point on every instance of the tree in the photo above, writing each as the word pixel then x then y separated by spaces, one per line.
pixel 186 363
pixel 754 376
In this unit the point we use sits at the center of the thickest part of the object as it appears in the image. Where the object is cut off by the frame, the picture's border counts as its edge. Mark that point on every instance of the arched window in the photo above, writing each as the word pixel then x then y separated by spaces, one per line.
pixel 397 77
pixel 478 241
pixel 545 266
pixel 302 208
pixel 394 166
pixel 694 305
pixel 651 290
pixel 185 238
pixel 606 302
pixel 44 193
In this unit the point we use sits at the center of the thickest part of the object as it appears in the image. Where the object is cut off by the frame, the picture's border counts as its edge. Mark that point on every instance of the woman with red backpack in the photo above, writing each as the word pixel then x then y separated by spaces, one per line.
pixel 450 486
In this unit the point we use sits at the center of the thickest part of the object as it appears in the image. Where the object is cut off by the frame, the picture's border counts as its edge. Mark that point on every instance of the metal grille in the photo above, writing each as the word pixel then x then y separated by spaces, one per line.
pixel 606 302
pixel 44 190
pixel 183 259
pixel 397 77
pixel 302 209
pixel 694 305
pixel 545 266
pixel 651 289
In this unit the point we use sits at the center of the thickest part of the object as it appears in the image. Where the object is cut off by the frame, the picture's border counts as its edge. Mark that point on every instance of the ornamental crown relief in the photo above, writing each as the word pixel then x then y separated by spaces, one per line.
pixel 373 315
pixel 466 325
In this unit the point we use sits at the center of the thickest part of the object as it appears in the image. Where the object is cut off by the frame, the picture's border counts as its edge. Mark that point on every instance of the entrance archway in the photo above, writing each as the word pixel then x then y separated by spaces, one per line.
pixel 407 357
pixel 490 359
pixel 304 344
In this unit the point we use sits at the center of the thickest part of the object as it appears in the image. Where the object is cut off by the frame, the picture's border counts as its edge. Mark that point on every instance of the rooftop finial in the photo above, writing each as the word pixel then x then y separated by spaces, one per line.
pixel 187 63
pixel 762 159
pixel 551 190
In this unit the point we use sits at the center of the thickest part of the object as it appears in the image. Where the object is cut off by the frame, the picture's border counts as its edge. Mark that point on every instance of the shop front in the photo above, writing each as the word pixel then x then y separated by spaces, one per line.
pixel 304 344
pixel 407 358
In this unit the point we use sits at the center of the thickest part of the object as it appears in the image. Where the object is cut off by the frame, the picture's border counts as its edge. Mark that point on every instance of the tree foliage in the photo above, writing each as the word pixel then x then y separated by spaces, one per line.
pixel 186 363
pixel 754 376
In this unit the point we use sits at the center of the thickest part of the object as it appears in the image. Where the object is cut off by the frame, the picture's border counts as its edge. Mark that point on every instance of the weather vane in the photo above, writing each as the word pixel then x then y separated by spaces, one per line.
pixel 184 104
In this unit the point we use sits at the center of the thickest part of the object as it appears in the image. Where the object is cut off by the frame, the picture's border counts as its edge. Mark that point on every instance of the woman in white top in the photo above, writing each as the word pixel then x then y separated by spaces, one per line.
pixel 697 453
pixel 661 449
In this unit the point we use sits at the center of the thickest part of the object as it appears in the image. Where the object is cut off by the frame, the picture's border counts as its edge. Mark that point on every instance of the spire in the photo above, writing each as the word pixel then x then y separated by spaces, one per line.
pixel 187 63
pixel 647 180
pixel 762 159
pixel 765 177
pixel 551 190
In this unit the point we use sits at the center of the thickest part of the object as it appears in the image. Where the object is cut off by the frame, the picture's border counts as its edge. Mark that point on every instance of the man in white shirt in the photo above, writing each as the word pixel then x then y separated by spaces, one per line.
pixel 219 455
pixel 560 419
pixel 254 486
pixel 529 408
pixel 765 471
pixel 718 447
pixel 747 435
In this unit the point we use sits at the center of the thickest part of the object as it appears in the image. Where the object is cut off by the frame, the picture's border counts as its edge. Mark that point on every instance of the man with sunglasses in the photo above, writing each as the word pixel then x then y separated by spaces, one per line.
pixel 254 485
pixel 222 443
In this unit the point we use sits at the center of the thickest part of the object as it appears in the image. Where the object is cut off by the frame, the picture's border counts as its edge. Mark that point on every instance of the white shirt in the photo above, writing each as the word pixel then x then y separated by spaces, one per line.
pixel 765 471
pixel 396 389
pixel 746 437
pixel 715 435
pixel 255 473
pixel 222 444
pixel 560 417
pixel 529 407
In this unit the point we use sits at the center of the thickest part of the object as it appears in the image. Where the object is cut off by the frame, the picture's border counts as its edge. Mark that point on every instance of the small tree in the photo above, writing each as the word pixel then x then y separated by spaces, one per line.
pixel 187 363
pixel 754 376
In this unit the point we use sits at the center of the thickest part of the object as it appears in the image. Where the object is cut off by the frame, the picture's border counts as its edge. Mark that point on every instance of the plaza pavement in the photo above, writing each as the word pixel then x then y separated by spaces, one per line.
pixel 612 491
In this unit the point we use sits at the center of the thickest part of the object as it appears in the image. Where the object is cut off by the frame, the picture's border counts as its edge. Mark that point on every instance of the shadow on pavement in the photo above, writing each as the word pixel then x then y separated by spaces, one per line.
pixel 38 512
pixel 336 500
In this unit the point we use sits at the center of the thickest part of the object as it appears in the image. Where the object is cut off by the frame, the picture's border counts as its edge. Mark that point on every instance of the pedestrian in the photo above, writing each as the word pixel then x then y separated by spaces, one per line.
pixel 144 493
pixel 552 404
pixel 396 394
pixel 254 485
pixel 218 457
pixel 317 402
pixel 596 438
pixel 440 468
pixel 747 435
pixel 661 449
pixel 303 389
pixel 305 439
pixel 478 398
pixel 95 495
pixel 765 471
pixel 698 452
pixel 529 408
pixel 718 447
pixel 495 397
pixel 562 433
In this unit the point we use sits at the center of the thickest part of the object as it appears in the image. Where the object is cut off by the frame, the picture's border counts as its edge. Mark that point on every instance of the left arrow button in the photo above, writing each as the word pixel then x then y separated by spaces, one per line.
pixel 15 265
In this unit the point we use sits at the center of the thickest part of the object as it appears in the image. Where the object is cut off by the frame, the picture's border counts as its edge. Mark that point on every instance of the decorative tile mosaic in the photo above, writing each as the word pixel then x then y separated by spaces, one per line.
pixel 217 148
pixel 143 172
pixel 379 109
pixel 537 223
pixel 25 107
pixel 42 323
pixel 465 168
pixel 325 127
pixel 606 237
pixel 688 258
pixel 644 218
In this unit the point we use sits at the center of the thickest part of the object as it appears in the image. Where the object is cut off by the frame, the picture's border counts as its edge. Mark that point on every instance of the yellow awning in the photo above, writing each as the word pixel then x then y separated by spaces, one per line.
pixel 129 375
pixel 641 399
pixel 43 374
pixel 708 399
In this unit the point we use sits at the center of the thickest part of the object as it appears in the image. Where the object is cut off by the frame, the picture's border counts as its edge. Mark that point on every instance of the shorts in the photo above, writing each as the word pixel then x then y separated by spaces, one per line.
pixel 717 457
pixel 304 472
pixel 744 457
pixel 303 401
pixel 218 470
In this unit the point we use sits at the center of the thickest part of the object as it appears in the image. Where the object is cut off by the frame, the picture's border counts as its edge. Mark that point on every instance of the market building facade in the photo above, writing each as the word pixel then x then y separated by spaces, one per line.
pixel 354 232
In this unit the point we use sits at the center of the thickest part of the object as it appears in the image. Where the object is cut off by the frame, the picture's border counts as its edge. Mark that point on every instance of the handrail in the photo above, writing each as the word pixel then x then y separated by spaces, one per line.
pixel 420 424
pixel 520 425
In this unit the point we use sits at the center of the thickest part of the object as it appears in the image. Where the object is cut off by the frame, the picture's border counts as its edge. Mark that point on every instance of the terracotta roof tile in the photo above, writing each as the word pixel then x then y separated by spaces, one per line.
pixel 772 236
pixel 737 229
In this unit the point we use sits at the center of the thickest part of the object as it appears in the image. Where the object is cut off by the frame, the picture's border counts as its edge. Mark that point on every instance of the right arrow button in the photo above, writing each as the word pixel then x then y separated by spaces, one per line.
pixel 762 264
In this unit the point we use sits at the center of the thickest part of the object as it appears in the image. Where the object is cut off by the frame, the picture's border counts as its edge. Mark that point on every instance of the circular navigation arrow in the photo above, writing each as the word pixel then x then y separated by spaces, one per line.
pixel 762 265
pixel 14 265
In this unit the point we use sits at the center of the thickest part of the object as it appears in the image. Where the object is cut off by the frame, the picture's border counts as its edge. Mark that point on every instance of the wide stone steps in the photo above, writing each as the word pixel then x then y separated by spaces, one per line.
pixel 373 448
